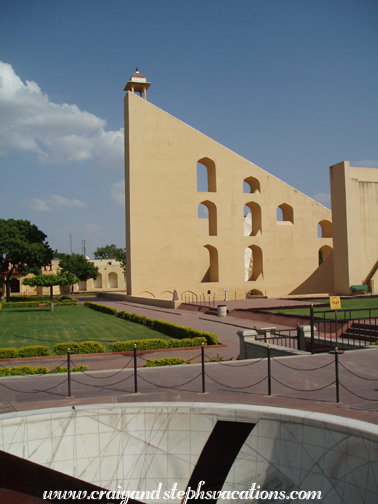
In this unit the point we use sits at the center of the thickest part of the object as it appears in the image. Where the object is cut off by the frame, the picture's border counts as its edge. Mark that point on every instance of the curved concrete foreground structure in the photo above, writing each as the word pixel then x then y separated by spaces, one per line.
pixel 157 445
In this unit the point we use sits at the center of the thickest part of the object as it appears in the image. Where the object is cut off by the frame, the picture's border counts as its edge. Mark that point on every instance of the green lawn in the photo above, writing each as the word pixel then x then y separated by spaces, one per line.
pixel 362 304
pixel 21 327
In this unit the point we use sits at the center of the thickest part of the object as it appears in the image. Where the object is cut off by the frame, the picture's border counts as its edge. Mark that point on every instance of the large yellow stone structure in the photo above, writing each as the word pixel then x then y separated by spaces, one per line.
pixel 354 196
pixel 170 248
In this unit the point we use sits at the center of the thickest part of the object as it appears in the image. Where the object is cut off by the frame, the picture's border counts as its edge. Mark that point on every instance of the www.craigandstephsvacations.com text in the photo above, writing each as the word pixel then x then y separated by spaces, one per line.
pixel 254 492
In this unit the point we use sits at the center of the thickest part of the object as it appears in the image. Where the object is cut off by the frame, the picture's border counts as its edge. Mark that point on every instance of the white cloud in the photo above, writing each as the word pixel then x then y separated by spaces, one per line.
pixel 59 201
pixel 117 192
pixel 53 202
pixel 323 198
pixel 365 163
pixel 56 133
pixel 39 205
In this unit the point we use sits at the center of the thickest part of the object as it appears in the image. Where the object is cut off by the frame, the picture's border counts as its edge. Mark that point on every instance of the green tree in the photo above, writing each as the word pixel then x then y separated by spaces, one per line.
pixel 50 281
pixel 107 252
pixel 112 252
pixel 23 249
pixel 78 265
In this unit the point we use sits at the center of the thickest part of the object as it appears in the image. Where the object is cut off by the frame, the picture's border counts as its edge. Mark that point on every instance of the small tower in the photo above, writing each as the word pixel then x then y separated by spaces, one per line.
pixel 138 83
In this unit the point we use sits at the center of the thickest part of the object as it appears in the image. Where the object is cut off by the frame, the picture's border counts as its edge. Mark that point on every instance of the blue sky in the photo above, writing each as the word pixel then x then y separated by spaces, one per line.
pixel 290 85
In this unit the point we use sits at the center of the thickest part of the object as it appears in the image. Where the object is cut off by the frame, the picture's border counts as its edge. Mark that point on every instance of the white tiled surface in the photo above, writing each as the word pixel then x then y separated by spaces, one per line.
pixel 138 446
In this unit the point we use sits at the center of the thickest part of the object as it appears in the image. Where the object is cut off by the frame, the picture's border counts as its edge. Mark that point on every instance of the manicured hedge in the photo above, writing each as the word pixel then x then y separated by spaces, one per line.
pixel 85 347
pixel 23 370
pixel 68 298
pixel 168 361
pixel 8 353
pixel 21 298
pixel 187 342
pixel 168 328
pixel 101 308
pixel 75 369
pixel 28 304
pixel 143 344
pixel 31 370
pixel 29 351
pixel 34 351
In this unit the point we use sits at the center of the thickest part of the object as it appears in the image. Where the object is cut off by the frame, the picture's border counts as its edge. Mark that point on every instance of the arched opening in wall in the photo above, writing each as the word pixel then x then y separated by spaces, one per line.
pixel 113 280
pixel 325 229
pixel 83 285
pixel 251 185
pixel 285 213
pixel 324 253
pixel 206 177
pixel 252 219
pixel 255 293
pixel 253 263
pixel 209 268
pixel 97 284
pixel 208 210
pixel 14 285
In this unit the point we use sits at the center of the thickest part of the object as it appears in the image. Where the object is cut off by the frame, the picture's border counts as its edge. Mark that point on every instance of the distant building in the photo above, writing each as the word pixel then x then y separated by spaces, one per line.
pixel 111 278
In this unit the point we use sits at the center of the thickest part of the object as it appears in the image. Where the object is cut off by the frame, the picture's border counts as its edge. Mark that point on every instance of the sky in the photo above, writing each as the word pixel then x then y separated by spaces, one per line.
pixel 290 85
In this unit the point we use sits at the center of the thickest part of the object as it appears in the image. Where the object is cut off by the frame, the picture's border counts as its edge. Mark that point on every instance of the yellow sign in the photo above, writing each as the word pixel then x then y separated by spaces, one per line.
pixel 335 302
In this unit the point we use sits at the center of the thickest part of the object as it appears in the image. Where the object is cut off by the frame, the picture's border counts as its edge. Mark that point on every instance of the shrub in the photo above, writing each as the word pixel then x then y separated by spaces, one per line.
pixel 26 299
pixel 89 347
pixel 31 370
pixel 168 328
pixel 144 344
pixel 23 370
pixel 181 332
pixel 8 353
pixel 28 304
pixel 187 342
pixel 76 369
pixel 132 317
pixel 61 348
pixel 33 351
pixel 167 361
pixel 68 298
pixel 85 347
pixel 101 308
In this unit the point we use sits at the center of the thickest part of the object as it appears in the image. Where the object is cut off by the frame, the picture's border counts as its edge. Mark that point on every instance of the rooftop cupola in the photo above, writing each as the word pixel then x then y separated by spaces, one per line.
pixel 138 84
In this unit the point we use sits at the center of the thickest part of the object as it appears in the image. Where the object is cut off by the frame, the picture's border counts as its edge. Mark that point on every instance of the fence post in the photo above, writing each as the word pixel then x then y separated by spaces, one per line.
pixel 336 327
pixel 135 370
pixel 298 337
pixel 312 329
pixel 337 375
pixel 203 367
pixel 69 372
pixel 269 374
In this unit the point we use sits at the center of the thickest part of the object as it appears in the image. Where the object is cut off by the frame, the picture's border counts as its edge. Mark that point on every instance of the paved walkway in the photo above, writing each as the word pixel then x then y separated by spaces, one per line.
pixel 304 382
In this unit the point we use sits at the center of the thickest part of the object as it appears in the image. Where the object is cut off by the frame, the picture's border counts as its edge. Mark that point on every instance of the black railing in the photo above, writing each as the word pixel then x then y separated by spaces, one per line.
pixel 288 338
pixel 343 331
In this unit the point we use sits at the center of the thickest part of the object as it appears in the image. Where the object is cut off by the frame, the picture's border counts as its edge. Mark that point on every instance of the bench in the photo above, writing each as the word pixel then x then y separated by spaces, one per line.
pixel 356 288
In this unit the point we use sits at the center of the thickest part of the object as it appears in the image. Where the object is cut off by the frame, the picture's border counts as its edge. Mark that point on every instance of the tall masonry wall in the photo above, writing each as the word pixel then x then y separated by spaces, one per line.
pixel 354 195
pixel 169 248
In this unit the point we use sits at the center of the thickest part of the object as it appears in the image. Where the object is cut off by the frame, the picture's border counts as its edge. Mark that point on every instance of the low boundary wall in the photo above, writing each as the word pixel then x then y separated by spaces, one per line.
pixel 162 303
